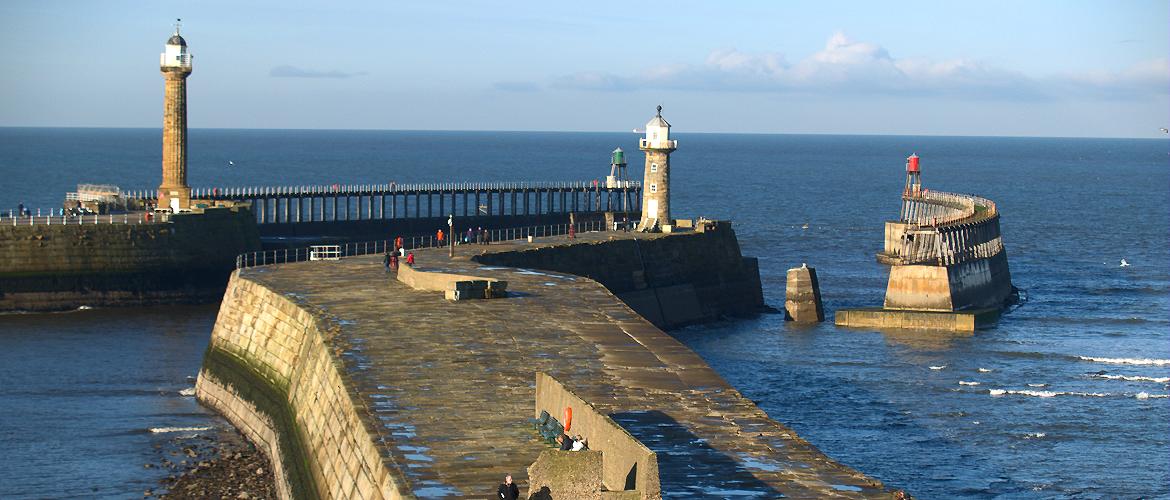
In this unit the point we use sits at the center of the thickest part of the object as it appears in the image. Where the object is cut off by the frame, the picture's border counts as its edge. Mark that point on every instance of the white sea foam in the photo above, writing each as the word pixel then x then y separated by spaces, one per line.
pixel 1047 394
pixel 160 430
pixel 984 370
pixel 938 367
pixel 84 308
pixel 1127 361
pixel 1037 385
pixel 1146 395
pixel 1134 378
pixel 1034 435
pixel 190 391
pixel 964 382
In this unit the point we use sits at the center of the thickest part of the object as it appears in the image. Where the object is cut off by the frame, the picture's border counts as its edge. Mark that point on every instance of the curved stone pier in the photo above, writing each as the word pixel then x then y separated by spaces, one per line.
pixel 361 386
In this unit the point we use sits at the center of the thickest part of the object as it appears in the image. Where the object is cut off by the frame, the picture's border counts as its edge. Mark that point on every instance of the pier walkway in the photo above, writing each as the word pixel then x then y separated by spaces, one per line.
pixel 450 385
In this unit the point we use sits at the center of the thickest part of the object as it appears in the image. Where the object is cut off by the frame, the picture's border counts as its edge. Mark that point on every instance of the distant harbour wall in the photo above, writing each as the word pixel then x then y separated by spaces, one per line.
pixel 58 267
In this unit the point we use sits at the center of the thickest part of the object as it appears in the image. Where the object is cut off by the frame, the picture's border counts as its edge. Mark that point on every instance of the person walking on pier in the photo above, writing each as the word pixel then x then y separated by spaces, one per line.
pixel 508 490
pixel 386 260
pixel 410 259
pixel 439 237
pixel 397 243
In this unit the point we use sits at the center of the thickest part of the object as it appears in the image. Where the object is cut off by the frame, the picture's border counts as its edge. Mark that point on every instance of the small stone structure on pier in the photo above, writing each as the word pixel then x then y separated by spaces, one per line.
pixel 948 266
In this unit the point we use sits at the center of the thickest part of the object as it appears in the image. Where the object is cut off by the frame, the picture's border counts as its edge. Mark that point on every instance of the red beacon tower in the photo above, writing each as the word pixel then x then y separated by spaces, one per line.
pixel 913 178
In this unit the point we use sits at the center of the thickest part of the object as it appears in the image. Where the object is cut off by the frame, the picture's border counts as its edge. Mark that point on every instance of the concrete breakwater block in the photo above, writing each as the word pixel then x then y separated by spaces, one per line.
pixel 802 296
pixel 957 321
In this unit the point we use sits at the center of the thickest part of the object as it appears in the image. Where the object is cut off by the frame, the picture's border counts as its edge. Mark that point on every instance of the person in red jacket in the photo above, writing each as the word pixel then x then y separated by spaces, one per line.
pixel 410 259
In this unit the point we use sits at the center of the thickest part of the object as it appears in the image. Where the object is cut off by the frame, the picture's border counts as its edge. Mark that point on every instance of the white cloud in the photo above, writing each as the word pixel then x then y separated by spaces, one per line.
pixel 848 67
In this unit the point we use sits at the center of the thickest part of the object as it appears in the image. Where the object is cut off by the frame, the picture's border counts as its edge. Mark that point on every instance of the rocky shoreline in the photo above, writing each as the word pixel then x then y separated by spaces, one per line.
pixel 220 463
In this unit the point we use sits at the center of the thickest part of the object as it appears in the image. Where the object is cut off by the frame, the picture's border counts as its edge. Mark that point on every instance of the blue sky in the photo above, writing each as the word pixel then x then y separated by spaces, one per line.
pixel 1035 68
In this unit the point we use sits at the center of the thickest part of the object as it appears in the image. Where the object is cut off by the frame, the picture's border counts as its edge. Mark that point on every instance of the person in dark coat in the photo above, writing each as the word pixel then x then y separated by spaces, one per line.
pixel 566 442
pixel 508 490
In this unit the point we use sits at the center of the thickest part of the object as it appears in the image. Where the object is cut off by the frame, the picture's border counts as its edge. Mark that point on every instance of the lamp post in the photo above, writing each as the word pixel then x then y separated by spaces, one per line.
pixel 451 235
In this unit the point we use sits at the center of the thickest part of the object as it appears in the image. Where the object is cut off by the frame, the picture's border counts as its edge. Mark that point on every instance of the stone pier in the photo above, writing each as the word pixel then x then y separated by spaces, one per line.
pixel 360 386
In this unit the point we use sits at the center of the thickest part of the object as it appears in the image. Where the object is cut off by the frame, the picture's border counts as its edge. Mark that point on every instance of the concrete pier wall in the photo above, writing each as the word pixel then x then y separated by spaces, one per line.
pixel 57 267
pixel 971 284
pixel 627 464
pixel 685 279
pixel 269 370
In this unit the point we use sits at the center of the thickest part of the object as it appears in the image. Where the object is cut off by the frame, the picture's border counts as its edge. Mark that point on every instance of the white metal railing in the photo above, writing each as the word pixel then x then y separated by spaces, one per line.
pixel 325 252
pixel 181 61
pixel 60 220
pixel 643 143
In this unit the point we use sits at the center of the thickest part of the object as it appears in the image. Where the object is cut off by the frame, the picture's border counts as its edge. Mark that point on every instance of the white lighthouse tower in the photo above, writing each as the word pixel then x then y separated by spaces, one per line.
pixel 656 184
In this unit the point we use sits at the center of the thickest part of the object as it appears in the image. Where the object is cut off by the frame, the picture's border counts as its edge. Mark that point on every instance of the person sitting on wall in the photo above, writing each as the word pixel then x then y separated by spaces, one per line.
pixel 508 490
pixel 565 441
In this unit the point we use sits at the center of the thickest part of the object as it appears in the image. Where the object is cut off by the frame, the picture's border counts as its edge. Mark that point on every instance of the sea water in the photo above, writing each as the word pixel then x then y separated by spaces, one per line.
pixel 1064 397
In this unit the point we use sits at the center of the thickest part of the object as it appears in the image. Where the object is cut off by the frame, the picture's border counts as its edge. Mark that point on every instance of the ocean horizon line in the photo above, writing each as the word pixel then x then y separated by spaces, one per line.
pixel 517 131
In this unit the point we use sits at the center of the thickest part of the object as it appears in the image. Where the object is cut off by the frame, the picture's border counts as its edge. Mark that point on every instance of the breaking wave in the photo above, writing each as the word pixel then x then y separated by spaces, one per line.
pixel 1133 378
pixel 964 382
pixel 190 391
pixel 1035 435
pixel 1046 394
pixel 1127 361
pixel 984 370
pixel 1146 395
pixel 161 430
pixel 938 367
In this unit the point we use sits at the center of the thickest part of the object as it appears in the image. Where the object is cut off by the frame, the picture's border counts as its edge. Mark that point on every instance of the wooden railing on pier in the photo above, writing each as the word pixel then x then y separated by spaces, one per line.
pixel 939 228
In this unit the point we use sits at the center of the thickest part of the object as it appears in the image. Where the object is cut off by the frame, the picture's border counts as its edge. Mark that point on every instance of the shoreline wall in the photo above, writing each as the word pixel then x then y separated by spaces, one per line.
pixel 271 371
pixel 674 281
pixel 58 267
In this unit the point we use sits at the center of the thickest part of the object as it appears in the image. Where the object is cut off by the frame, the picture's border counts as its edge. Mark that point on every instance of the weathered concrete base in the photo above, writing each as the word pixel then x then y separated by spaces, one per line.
pixel 802 296
pixel 971 284
pixel 964 321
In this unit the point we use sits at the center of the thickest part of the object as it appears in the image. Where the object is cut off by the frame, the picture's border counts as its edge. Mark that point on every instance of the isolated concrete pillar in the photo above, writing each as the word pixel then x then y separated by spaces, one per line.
pixel 802 296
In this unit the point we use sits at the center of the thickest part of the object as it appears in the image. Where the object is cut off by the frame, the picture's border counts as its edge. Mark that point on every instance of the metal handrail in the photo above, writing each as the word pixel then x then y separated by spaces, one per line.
pixel 75 220
pixel 353 249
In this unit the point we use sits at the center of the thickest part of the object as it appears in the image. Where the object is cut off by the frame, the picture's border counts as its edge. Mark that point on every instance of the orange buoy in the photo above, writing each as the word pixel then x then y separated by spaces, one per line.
pixel 568 418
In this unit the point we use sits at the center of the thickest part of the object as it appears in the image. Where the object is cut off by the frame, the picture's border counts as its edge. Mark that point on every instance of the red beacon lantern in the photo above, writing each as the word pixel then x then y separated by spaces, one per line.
pixel 912 163
pixel 913 187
